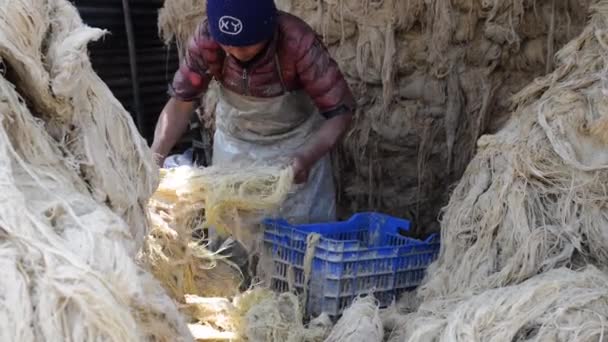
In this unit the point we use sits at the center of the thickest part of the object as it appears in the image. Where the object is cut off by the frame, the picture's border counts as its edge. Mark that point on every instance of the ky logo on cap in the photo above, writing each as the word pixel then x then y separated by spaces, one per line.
pixel 230 25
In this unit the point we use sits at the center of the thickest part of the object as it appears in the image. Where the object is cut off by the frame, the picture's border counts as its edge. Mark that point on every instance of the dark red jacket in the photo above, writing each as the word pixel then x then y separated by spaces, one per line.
pixel 303 60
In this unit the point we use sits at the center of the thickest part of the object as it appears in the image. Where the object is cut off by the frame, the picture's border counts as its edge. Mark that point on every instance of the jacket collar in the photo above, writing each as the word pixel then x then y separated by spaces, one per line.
pixel 263 56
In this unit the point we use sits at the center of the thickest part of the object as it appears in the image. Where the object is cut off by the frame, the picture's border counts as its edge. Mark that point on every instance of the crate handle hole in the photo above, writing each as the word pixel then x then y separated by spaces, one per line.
pixel 404 232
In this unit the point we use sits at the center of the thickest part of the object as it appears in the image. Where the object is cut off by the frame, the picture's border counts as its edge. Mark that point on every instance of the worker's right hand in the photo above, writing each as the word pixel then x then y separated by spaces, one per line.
pixel 301 169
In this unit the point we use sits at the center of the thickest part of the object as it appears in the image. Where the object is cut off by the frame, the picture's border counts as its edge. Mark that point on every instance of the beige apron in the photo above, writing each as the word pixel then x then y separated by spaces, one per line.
pixel 268 131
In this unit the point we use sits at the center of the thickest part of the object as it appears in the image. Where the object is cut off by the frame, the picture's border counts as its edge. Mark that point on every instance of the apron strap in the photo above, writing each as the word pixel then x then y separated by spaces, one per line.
pixel 280 72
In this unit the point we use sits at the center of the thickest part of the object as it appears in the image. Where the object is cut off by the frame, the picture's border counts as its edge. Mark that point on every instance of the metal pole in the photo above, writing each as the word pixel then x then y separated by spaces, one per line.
pixel 126 9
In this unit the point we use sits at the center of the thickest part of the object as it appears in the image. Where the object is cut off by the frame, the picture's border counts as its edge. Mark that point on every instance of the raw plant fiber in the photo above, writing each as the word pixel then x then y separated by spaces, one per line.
pixel 257 315
pixel 534 196
pixel 75 175
pixel 278 318
pixel 231 200
pixel 214 318
pixel 46 60
pixel 559 305
pixel 177 21
pixel 221 318
pixel 183 264
pixel 430 78
pixel 432 84
pixel 360 322
pixel 525 228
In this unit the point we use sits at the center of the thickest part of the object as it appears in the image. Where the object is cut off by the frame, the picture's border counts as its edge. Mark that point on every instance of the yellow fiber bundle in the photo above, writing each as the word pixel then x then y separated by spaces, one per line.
pixel 228 196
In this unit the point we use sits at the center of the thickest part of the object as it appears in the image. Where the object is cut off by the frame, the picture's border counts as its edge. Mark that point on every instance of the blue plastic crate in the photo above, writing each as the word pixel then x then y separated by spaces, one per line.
pixel 367 253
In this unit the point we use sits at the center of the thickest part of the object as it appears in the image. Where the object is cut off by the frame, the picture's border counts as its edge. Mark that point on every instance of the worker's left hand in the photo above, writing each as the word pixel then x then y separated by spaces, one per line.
pixel 301 169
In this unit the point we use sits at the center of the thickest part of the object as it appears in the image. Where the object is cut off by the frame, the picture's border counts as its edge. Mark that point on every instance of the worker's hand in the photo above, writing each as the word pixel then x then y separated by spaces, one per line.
pixel 301 168
pixel 319 145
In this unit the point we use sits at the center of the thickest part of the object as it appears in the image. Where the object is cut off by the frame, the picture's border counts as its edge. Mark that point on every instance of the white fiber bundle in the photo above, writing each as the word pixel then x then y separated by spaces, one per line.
pixel 360 322
pixel 47 59
pixel 560 305
pixel 82 282
pixel 534 196
pixel 257 315
pixel 75 175
pixel 278 318
pixel 274 319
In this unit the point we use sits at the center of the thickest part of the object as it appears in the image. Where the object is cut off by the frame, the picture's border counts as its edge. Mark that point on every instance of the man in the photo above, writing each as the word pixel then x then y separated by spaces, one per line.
pixel 281 96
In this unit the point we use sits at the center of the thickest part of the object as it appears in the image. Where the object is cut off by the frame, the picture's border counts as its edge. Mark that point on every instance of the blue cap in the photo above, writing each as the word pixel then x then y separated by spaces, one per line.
pixel 241 22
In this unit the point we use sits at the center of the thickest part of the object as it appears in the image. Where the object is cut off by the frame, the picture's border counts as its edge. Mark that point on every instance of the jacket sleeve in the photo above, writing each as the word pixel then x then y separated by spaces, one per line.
pixel 192 78
pixel 321 77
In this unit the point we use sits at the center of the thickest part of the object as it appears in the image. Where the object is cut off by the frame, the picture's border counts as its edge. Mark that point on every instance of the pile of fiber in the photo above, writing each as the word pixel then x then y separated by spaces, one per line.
pixel 255 316
pixel 75 178
pixel 533 197
pixel 559 305
pixel 430 78
pixel 360 322
pixel 232 202
pixel 525 236
pixel 183 264
pixel 188 200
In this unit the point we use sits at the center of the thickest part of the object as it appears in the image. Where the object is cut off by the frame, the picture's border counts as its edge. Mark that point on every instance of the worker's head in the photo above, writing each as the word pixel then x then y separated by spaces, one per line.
pixel 242 27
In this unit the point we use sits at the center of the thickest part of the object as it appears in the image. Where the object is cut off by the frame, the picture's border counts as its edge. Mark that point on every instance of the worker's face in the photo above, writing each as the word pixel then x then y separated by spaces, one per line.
pixel 244 53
